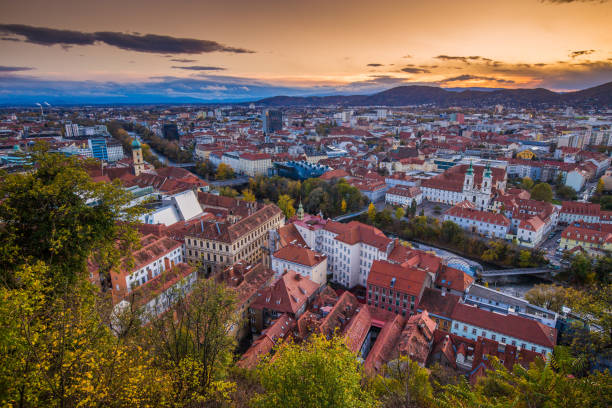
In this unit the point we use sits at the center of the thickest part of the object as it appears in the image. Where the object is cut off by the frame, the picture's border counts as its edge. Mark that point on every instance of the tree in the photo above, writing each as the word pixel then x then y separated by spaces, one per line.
pixel 318 373
pixel 542 192
pixel 285 203
pixel 194 344
pixel 228 192
pixel 343 206
pixel 451 232
pixel 551 297
pixel 527 183
pixel 403 383
pixel 59 216
pixel 399 213
pixel 247 195
pixel 524 259
pixel 372 213
pixel 224 172
pixel 413 208
pixel 566 193
pixel 600 187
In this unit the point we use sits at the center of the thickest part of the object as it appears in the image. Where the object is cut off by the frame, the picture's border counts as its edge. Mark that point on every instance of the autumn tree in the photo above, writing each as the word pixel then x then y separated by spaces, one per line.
pixel 552 297
pixel 285 203
pixel 403 383
pixel 343 206
pixel 224 172
pixel 194 345
pixel 247 195
pixel 542 192
pixel 399 213
pixel 372 213
pixel 527 183
pixel 318 373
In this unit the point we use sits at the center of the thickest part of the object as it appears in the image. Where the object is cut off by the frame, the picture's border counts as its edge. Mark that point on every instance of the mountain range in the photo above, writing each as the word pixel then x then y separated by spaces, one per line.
pixel 597 97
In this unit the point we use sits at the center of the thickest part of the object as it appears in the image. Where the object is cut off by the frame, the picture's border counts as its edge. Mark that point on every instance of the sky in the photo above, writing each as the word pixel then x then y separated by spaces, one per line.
pixel 185 50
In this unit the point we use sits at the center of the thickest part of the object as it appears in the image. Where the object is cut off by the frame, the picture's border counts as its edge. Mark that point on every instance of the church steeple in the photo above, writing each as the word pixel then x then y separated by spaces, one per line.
pixel 300 212
pixel 137 157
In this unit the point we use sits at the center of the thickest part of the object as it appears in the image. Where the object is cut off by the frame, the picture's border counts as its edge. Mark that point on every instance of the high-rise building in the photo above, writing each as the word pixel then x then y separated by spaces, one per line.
pixel 72 130
pixel 272 121
pixel 170 131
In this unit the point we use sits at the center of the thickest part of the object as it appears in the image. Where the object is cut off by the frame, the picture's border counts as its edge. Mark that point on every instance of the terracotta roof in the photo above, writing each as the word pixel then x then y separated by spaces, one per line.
pixel 454 279
pixel 266 342
pixel 438 303
pixel 384 349
pixel 300 255
pixel 355 232
pixel 511 325
pixel 399 278
pixel 574 207
pixel 289 234
pixel 477 215
pixel 287 295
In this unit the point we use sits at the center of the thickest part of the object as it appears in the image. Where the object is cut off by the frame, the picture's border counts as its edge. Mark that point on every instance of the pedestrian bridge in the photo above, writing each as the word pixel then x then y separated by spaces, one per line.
pixel 514 272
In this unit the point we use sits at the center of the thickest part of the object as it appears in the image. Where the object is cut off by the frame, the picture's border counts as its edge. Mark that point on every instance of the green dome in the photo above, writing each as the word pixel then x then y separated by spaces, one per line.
pixel 136 144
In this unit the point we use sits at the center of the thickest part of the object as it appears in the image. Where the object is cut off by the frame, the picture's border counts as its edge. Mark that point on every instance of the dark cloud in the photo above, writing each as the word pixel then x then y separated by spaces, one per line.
pixel 412 70
pixel 374 65
pixel 573 1
pixel 575 54
pixel 151 43
pixel 200 68
pixel 407 56
pixel 4 68
pixel 468 60
pixel 183 60
pixel 468 77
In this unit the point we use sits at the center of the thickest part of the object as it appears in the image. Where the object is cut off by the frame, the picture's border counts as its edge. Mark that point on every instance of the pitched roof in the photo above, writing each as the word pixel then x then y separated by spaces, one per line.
pixel 438 303
pixel 455 279
pixel 287 295
pixel 300 255
pixel 399 278
pixel 511 325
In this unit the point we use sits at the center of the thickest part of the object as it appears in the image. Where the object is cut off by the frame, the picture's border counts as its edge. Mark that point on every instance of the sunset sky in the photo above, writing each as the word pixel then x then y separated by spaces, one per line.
pixel 136 50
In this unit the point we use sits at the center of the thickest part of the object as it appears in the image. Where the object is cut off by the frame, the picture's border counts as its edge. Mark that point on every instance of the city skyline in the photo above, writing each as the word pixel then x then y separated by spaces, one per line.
pixel 202 52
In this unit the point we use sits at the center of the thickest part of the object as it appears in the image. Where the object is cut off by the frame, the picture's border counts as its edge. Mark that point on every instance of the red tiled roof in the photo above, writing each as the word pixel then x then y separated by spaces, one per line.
pixel 300 255
pixel 287 295
pixel 511 325
pixel 399 278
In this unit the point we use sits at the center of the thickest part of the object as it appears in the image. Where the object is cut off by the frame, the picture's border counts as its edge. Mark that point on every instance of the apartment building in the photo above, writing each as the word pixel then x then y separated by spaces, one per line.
pixel 302 260
pixel 404 196
pixel 216 245
pixel 476 221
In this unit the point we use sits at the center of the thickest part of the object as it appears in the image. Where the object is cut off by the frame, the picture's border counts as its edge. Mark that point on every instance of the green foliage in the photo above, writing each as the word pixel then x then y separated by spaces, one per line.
pixel 542 192
pixel 316 194
pixel 527 183
pixel 566 193
pixel 118 132
pixel 59 216
pixel 399 213
pixel 228 192
pixel 319 373
pixel 248 196
pixel 403 383
pixel 205 169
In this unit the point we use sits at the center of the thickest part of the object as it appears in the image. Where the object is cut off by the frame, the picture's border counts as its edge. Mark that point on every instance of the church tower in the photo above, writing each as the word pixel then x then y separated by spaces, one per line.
pixel 487 181
pixel 300 212
pixel 468 183
pixel 137 156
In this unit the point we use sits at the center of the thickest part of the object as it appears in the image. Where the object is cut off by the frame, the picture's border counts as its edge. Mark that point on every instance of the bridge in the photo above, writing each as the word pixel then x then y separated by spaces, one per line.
pixel 351 215
pixel 514 272
pixel 231 182
pixel 183 164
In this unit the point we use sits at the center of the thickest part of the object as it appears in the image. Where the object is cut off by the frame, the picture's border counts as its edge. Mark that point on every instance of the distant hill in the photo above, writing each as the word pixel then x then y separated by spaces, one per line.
pixel 599 96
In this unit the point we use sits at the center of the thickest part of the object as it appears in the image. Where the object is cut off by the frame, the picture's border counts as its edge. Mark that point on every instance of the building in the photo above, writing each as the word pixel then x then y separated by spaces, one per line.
pixel 272 121
pixel 479 222
pixel 290 294
pixel 302 260
pixel 253 164
pixel 170 131
pixel 98 149
pixel 154 257
pixel 404 196
pixel 586 238
pixel 476 184
pixel 217 245
pixel 395 287
pixel 472 322
pixel 71 130
pixel 572 211
pixel 139 166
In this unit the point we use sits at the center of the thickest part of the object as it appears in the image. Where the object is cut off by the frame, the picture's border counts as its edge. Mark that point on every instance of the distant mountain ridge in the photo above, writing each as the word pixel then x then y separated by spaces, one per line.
pixel 598 96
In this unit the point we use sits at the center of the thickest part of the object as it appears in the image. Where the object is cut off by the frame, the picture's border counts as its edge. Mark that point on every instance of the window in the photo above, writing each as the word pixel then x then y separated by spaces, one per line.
pixel 503 340
pixel 473 331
